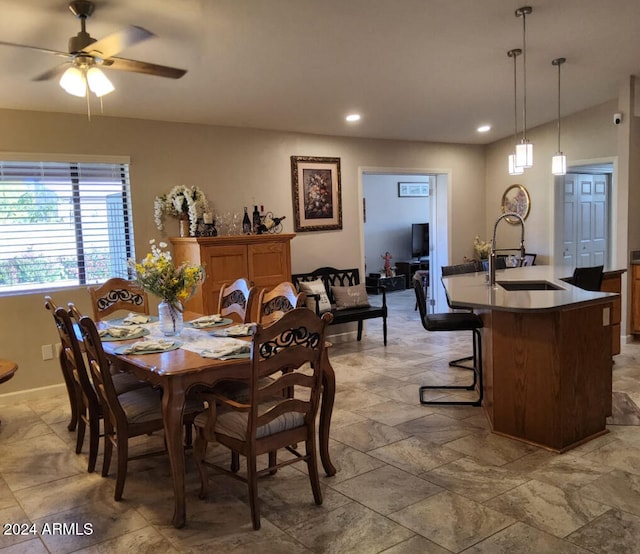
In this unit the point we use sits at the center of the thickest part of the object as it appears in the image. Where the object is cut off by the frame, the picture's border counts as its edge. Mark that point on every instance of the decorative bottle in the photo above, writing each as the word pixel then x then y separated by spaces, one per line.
pixel 256 220
pixel 246 223
pixel 269 223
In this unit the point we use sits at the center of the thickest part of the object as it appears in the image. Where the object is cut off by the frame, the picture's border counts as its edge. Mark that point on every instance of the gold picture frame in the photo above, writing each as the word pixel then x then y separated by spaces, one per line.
pixel 317 201
pixel 516 200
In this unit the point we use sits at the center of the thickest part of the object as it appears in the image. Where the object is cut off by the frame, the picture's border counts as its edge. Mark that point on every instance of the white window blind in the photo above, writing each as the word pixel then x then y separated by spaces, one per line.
pixel 63 224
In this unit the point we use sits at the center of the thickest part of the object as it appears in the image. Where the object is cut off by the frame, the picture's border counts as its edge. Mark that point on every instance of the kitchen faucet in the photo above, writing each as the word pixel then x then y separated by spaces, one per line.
pixel 492 257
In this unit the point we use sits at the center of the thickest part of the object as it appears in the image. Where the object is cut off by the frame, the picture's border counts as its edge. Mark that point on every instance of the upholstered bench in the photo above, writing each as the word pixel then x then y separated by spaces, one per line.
pixel 340 292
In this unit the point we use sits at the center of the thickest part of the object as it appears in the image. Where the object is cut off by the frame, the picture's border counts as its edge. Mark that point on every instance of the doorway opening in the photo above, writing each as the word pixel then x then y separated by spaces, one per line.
pixel 395 203
pixel 583 220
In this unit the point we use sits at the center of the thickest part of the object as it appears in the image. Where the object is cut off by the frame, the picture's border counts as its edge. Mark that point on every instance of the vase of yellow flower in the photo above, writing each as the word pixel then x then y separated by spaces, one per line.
pixel 171 319
pixel 157 274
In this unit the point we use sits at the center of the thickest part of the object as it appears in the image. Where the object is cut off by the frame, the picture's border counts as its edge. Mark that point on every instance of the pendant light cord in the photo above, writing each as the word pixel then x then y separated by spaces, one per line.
pixel 524 79
pixel 514 54
pixel 558 107
pixel 558 62
pixel 523 12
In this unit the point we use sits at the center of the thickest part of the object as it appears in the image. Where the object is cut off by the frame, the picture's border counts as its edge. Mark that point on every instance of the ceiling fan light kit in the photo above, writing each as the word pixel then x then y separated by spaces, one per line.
pixel 73 82
pixel 86 54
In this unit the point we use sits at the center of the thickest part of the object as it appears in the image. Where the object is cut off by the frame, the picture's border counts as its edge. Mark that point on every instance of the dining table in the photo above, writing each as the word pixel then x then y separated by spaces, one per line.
pixel 180 370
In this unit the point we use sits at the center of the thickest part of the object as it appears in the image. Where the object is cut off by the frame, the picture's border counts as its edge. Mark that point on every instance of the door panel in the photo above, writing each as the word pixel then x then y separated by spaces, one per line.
pixel 570 209
pixel 585 225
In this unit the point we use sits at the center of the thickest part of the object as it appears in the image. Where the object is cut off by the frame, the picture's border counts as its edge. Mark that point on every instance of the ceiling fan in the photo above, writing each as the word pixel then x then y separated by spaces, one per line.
pixel 86 55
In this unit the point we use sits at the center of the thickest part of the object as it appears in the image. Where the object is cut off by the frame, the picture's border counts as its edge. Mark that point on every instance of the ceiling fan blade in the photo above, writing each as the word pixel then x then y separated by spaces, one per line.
pixel 37 48
pixel 110 45
pixel 123 64
pixel 52 73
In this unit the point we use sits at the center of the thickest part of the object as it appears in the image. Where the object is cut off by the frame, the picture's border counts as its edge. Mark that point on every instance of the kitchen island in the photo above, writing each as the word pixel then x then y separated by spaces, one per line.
pixel 547 354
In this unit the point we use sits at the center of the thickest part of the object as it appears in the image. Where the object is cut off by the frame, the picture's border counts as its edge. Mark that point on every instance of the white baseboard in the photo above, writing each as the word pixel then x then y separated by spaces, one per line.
pixel 33 394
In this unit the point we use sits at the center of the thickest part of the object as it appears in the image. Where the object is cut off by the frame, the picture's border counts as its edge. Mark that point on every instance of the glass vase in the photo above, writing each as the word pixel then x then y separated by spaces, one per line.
pixel 171 319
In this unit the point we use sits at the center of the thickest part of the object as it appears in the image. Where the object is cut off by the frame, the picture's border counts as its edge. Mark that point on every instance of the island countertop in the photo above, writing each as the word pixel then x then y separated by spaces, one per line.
pixel 471 290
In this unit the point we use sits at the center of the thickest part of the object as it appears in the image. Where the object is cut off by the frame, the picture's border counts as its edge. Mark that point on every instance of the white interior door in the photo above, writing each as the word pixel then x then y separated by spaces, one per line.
pixel 570 209
pixel 585 225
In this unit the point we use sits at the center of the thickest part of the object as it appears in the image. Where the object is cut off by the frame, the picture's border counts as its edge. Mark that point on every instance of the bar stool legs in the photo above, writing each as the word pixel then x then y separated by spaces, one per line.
pixel 477 378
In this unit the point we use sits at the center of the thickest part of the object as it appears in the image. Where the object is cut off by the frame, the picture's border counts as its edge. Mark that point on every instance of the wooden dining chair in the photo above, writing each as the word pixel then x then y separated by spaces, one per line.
pixel 130 414
pixel 274 303
pixel 87 407
pixel 236 300
pixel 67 373
pixel 286 355
pixel 118 294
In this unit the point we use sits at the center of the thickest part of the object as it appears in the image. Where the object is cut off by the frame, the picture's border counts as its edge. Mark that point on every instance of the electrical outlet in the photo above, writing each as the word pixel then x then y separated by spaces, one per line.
pixel 47 352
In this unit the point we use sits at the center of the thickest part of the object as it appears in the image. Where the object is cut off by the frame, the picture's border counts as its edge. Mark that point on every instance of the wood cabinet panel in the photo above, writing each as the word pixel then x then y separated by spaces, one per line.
pixel 612 282
pixel 269 263
pixel 635 299
pixel 265 260
pixel 545 370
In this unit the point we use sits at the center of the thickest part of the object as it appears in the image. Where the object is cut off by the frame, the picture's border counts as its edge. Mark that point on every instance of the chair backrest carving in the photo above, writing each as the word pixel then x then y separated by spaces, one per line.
pixel 236 300
pixel 118 294
pixel 274 303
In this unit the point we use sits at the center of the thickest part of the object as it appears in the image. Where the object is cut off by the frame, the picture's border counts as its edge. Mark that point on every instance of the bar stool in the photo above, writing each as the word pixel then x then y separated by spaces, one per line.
pixel 454 321
pixel 7 370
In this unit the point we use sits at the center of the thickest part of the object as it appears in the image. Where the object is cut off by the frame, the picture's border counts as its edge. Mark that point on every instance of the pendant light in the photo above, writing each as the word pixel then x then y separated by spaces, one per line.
pixel 559 161
pixel 513 168
pixel 524 149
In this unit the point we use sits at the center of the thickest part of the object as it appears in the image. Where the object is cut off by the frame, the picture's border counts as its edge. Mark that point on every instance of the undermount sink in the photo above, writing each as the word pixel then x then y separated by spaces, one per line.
pixel 528 285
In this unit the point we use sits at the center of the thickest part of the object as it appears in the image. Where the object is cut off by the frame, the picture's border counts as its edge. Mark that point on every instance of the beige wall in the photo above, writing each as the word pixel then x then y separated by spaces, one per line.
pixel 236 168
pixel 586 135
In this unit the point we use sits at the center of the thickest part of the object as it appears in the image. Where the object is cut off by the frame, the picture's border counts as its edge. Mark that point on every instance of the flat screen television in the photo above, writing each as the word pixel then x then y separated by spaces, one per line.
pixel 419 240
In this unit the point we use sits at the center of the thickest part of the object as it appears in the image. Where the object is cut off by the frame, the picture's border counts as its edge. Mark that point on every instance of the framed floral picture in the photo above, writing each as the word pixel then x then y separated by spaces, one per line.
pixel 516 200
pixel 317 200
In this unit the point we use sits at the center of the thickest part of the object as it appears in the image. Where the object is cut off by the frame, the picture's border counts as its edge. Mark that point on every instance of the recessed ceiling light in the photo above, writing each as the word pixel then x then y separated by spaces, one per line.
pixel 353 117
pixel 484 128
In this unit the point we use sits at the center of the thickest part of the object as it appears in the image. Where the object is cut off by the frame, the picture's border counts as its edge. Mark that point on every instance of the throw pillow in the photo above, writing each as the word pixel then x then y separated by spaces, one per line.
pixel 350 297
pixel 316 287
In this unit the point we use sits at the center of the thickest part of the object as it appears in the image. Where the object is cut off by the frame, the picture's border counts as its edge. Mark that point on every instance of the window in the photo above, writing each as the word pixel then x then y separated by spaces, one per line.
pixel 63 224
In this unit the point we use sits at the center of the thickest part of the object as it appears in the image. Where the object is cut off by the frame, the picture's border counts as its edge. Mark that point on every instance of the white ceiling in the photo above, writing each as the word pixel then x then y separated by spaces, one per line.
pixel 415 69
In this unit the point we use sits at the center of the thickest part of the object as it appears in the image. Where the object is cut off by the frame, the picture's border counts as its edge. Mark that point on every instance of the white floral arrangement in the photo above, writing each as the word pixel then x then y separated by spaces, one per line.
pixel 481 248
pixel 181 200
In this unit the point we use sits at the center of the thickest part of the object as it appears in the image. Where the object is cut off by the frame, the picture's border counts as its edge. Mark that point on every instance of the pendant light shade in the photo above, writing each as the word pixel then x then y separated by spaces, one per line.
pixel 514 168
pixel 559 161
pixel 559 164
pixel 524 149
pixel 524 154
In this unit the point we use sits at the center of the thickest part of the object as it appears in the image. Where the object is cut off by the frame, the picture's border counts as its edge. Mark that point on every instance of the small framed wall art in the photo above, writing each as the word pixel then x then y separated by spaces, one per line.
pixel 413 189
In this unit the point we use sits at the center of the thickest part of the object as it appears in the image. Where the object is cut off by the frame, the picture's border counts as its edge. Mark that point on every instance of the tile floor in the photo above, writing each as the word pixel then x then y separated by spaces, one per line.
pixel 411 478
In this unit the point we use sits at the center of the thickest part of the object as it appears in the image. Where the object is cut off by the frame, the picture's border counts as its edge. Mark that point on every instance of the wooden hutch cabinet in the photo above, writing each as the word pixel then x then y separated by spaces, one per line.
pixel 265 260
